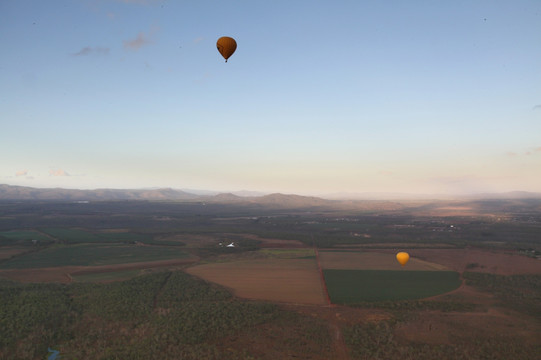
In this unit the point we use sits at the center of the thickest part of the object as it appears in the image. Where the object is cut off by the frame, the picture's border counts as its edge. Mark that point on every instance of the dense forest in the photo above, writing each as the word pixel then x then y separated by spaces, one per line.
pixel 172 315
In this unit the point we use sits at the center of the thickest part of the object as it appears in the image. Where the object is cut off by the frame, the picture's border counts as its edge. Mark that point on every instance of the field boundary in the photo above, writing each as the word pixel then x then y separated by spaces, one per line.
pixel 322 278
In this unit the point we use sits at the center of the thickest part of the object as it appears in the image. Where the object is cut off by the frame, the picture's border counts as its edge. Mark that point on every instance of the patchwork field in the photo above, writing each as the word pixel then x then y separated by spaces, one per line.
pixel 273 279
pixel 354 286
pixel 357 260
pixel 357 276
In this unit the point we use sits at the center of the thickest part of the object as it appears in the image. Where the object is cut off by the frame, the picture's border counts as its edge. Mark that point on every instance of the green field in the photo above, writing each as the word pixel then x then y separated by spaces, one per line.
pixel 93 255
pixel 107 276
pixel 73 235
pixel 125 237
pixel 289 253
pixel 22 237
pixel 354 286
pixel 77 236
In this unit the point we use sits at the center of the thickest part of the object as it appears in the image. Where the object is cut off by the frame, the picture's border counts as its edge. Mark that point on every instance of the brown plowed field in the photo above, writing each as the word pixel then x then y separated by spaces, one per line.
pixel 372 261
pixel 489 261
pixel 280 280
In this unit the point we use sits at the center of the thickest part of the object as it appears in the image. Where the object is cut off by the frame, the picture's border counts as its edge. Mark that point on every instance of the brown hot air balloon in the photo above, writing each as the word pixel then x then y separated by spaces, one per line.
pixel 226 46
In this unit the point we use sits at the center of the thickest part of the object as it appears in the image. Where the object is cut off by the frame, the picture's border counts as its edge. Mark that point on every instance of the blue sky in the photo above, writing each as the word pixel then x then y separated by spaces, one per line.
pixel 320 96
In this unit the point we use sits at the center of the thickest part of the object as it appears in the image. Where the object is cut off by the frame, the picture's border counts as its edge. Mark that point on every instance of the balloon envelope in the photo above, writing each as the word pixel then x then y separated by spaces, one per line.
pixel 402 258
pixel 226 46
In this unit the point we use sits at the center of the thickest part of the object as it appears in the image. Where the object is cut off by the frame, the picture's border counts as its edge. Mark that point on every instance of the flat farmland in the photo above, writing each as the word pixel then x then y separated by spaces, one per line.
pixel 7 252
pixel 106 276
pixel 93 255
pixel 22 236
pixel 67 274
pixel 358 260
pixel 73 235
pixel 280 280
pixel 354 286
pixel 482 260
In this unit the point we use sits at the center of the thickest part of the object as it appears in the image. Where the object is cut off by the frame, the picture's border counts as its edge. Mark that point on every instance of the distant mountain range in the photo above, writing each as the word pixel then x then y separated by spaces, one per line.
pixel 10 192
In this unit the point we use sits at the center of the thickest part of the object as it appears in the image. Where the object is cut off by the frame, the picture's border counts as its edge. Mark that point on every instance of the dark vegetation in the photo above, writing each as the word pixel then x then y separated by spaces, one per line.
pixel 164 315
pixel 519 292
pixel 378 341
pixel 168 315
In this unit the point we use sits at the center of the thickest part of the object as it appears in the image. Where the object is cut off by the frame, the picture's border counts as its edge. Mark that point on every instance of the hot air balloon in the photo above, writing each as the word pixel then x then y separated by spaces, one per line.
pixel 226 46
pixel 402 258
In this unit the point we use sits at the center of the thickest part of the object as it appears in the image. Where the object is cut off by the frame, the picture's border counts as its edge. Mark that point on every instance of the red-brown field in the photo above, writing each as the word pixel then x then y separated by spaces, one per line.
pixel 280 280
pixel 7 252
pixel 489 261
pixel 355 260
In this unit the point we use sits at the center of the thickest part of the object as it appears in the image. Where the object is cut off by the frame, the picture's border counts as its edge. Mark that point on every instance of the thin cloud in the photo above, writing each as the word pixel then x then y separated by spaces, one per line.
pixel 137 43
pixel 526 153
pixel 534 151
pixel 466 184
pixel 198 40
pixel 140 2
pixel 92 51
pixel 537 107
pixel 21 173
pixel 142 39
pixel 58 172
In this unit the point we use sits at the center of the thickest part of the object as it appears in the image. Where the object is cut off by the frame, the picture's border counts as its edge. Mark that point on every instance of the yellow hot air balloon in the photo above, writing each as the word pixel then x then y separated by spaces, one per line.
pixel 226 46
pixel 402 258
